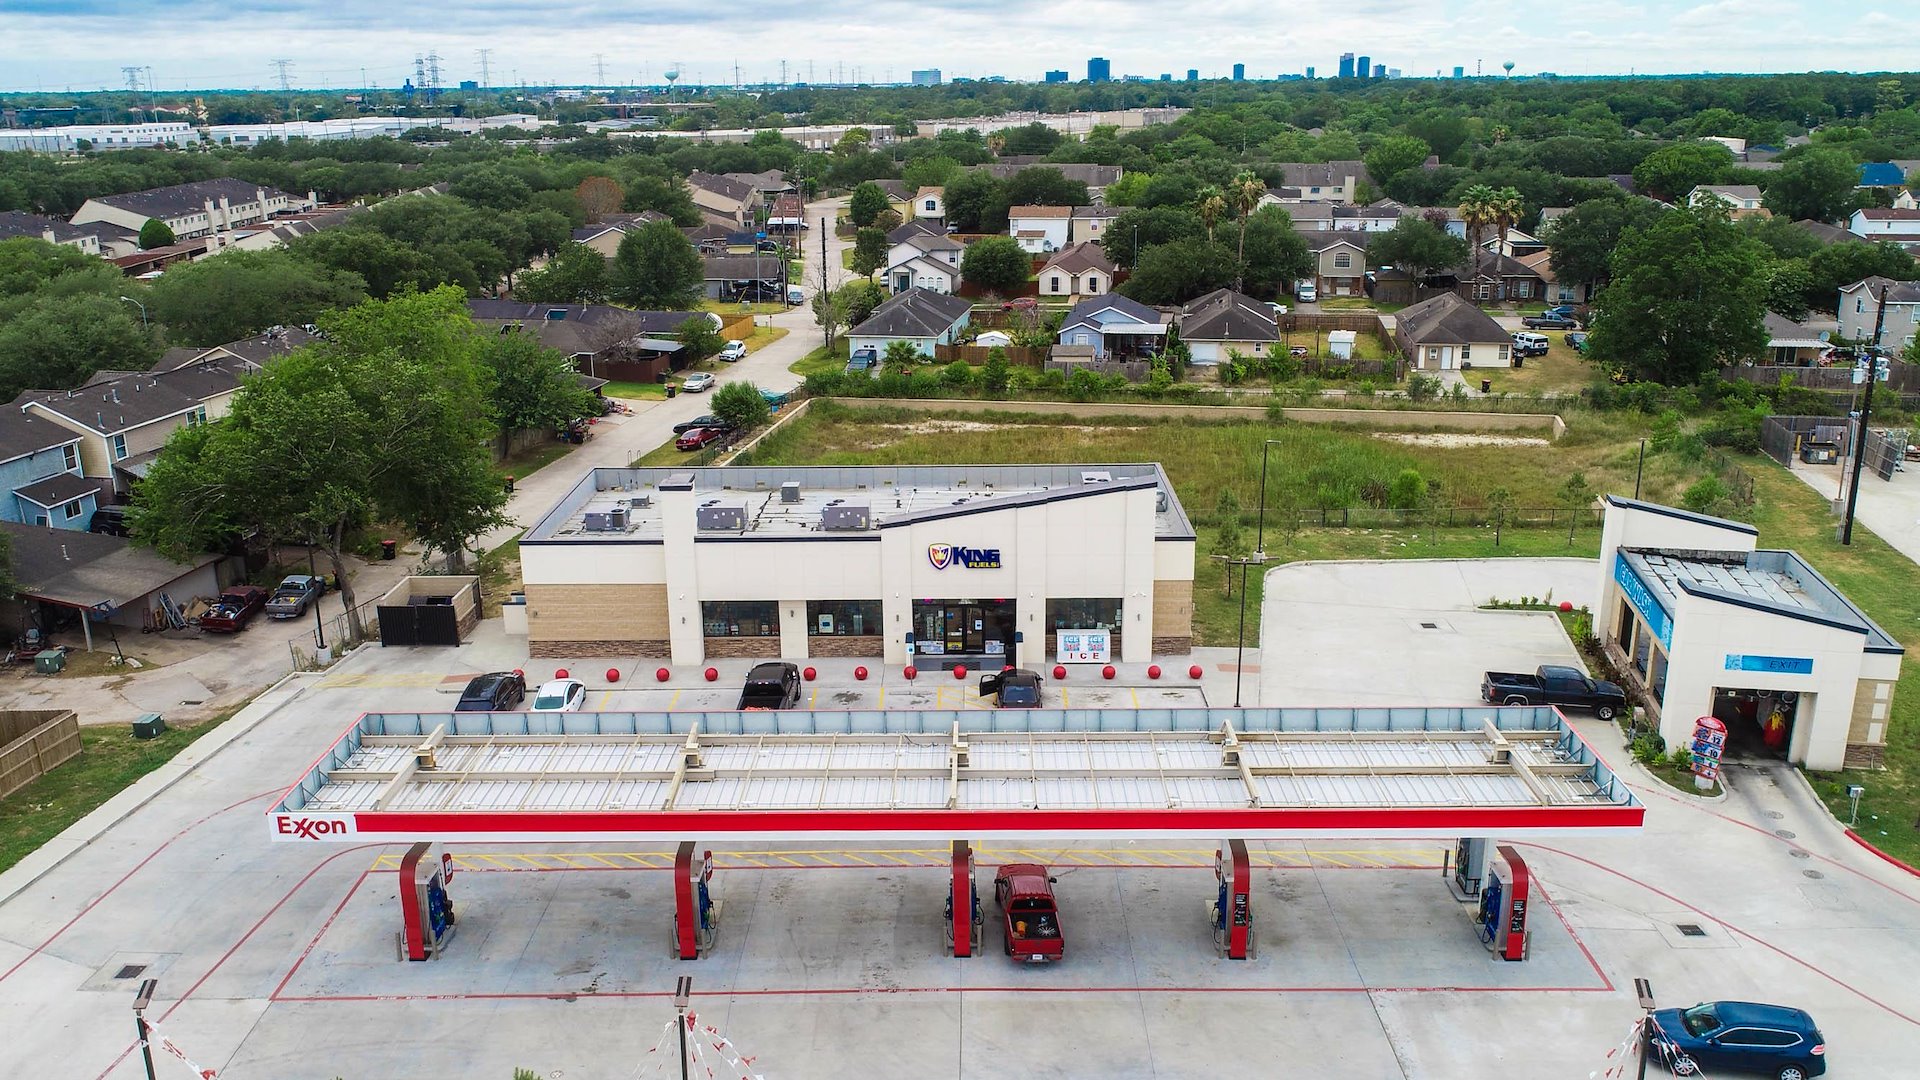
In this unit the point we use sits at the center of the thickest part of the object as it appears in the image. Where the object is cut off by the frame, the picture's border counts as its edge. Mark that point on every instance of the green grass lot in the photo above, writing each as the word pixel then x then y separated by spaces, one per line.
pixel 729 307
pixel 111 760
pixel 532 460
pixel 634 390
pixel 822 360
pixel 1561 371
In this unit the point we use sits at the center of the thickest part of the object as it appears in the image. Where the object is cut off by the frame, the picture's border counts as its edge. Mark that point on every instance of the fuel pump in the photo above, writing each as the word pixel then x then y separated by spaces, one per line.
pixel 1231 911
pixel 426 909
pixel 696 914
pixel 1503 906
pixel 1469 867
pixel 963 919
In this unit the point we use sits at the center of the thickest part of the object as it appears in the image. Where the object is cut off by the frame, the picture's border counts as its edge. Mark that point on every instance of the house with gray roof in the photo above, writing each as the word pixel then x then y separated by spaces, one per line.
pixel 40 478
pixel 722 200
pixel 923 317
pixel 15 223
pixel 1326 181
pixel 103 578
pixel 1114 327
pixel 604 236
pixel 1224 322
pixel 192 210
pixel 1447 333
pixel 746 278
pixel 1089 223
pixel 1859 308
pixel 1077 270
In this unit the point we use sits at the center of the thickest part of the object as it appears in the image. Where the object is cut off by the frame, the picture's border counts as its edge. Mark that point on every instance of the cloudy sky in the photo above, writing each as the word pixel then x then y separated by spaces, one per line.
pixel 83 44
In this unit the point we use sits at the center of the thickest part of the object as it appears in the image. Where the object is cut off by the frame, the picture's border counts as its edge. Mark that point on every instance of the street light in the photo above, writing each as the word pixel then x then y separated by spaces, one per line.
pixel 1260 537
pixel 1240 648
pixel 141 306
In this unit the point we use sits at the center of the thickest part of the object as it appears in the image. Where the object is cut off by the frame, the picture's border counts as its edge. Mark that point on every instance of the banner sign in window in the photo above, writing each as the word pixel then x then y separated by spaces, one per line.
pixel 1776 665
pixel 1082 646
pixel 1643 600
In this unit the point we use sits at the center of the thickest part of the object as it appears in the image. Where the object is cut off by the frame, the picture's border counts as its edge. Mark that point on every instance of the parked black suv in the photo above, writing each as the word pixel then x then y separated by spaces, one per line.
pixel 111 520
pixel 771 686
pixel 498 691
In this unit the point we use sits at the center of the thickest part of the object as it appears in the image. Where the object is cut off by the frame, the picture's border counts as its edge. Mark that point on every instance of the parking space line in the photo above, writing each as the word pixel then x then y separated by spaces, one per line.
pixel 605 698
pixel 813 698
pixel 883 699
pixel 674 701
pixel 1136 696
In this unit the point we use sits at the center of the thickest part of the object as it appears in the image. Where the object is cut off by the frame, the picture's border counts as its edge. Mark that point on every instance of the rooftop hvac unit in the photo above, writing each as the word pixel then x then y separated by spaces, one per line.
pixel 790 491
pixel 617 519
pixel 846 517
pixel 721 517
pixel 1160 500
pixel 1096 478
pixel 640 502
pixel 595 522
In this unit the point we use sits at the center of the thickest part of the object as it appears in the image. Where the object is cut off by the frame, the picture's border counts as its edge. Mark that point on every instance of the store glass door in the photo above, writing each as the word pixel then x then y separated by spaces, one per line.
pixel 963 629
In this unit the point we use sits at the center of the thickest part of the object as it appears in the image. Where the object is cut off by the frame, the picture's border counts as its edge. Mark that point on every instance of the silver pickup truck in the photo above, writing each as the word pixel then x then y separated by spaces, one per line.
pixel 294 595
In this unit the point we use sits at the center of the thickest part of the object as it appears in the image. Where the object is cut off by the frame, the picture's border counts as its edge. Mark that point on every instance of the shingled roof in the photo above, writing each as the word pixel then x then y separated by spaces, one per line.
pixel 1225 315
pixel 1449 320
pixel 912 314
pixel 181 199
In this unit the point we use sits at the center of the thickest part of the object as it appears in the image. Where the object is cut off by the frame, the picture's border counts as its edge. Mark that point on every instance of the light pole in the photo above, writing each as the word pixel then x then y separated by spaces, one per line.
pixel 319 629
pixel 141 306
pixel 1871 361
pixel 1240 648
pixel 141 999
pixel 1260 535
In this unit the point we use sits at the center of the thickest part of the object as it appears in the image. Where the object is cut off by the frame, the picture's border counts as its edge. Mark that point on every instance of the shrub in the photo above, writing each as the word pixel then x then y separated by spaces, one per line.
pixel 1421 387
pixel 1705 496
pixel 995 374
pixel 740 404
pixel 1408 490
pixel 1084 384
pixel 957 375
pixel 1649 747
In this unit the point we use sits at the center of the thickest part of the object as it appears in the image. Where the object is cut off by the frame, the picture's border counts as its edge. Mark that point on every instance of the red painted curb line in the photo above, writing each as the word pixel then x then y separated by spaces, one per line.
pixel 1858 839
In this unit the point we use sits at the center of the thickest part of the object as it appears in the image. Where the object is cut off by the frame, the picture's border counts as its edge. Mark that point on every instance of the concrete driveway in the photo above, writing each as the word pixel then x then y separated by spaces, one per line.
pixel 1891 508
pixel 1409 632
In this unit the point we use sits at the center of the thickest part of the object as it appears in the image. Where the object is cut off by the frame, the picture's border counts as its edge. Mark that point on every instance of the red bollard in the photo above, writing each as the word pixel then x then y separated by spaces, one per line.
pixel 613 674
pixel 520 672
pixel 1107 672
pixel 560 673
pixel 662 675
pixel 1193 672
pixel 960 671
pixel 860 673
pixel 809 674
pixel 1153 671
pixel 1566 607
pixel 1059 671
pixel 712 674
pixel 909 672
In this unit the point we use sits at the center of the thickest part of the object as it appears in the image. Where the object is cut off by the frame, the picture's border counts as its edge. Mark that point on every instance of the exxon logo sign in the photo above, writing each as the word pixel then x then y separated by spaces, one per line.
pixel 309 828
pixel 945 555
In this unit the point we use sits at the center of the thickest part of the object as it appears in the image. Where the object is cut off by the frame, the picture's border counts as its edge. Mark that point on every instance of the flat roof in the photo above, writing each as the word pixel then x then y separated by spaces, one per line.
pixel 893 495
pixel 1084 773
pixel 1767 580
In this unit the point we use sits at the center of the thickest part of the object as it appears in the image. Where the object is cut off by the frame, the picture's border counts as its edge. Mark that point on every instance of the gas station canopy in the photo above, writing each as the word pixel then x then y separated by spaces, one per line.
pixel 936 775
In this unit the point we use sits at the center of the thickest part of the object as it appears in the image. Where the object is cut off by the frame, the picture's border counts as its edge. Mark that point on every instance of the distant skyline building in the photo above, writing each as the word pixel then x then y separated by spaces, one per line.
pixel 1239 73
pixel 1193 74
pixel 1459 71
pixel 1346 65
pixel 1361 66
pixel 1166 76
pixel 1309 71
pixel 929 77
pixel 1099 69
pixel 1058 76
pixel 1379 71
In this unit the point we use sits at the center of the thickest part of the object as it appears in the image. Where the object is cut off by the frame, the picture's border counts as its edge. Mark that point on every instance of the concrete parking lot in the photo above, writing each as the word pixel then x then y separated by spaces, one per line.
pixel 276 962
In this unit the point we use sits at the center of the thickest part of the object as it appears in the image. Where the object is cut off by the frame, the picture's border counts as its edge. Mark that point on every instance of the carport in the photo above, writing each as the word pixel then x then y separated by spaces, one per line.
pixel 1039 775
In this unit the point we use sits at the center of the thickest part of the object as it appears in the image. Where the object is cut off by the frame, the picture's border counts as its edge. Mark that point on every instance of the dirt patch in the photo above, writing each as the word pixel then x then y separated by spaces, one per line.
pixel 1448 440
pixel 941 427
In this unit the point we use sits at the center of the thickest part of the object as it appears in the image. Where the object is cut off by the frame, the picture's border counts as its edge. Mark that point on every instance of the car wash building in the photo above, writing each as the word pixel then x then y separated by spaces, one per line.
pixel 931 565
pixel 1703 622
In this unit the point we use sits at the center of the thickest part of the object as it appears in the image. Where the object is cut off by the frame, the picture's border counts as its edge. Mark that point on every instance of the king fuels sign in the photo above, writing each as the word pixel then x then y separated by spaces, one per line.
pixel 945 555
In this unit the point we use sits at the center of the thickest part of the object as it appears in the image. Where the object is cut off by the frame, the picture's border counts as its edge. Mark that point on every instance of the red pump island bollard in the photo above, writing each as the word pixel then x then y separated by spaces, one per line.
pixel 1232 909
pixel 696 914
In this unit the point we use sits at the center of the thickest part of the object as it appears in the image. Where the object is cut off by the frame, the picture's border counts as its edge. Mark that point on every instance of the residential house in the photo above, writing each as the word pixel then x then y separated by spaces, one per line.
pixel 1040 229
pixel 921 316
pixel 1340 262
pixel 1741 200
pixel 125 419
pixel 40 474
pixel 1516 243
pixel 202 208
pixel 1553 290
pixel 1307 217
pixel 1494 277
pixel 291 226
pixel 111 240
pixel 1115 328
pixel 103 578
pixel 707 238
pixel 722 200
pixel 1097 177
pixel 1906 200
pixel 15 223
pixel 1792 344
pixel 1860 307
pixel 930 203
pixel 1379 216
pixel 924 258
pixel 1077 270
pixel 604 341
pixel 788 213
pixel 1447 333
pixel 604 236
pixel 747 278
pixel 767 186
pixel 1331 181
pixel 1882 174
pixel 899 199
pixel 913 226
pixel 1089 223
pixel 1825 233
pixel 1882 223
pixel 1224 322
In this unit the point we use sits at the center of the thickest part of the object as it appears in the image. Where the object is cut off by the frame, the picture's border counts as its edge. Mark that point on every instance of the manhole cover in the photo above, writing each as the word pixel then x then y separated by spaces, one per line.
pixel 1688 929
pixel 130 971
pixel 1797 853
pixel 1775 815
pixel 1813 873
pixel 1784 834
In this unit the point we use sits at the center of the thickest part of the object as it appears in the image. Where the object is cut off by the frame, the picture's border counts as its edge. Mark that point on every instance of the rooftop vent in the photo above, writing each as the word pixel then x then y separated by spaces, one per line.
pixel 1096 478
pixel 790 491
pixel 840 516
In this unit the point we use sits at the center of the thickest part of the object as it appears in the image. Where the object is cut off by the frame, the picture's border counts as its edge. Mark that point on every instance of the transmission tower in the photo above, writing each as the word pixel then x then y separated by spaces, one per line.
pixel 286 83
pixel 433 74
pixel 599 69
pixel 486 56
pixel 783 73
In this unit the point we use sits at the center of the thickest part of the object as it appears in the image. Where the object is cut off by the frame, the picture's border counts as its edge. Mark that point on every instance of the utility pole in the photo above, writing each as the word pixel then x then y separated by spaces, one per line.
pixel 1872 362
pixel 486 73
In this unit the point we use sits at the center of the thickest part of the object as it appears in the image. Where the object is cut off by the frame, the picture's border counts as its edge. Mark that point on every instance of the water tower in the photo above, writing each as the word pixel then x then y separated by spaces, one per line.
pixel 672 75
pixel 1509 66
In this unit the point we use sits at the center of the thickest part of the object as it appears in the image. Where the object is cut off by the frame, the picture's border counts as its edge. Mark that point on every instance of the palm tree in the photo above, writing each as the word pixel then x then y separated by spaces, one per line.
pixel 1506 208
pixel 1244 196
pixel 1209 204
pixel 1476 210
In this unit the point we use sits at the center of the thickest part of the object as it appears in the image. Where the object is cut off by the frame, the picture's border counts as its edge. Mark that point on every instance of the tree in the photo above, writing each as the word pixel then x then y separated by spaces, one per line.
pixel 1576 495
pixel 155 233
pixel 1476 210
pixel 1499 511
pixel 532 386
pixel 976 202
pixel 576 274
pixel 656 268
pixel 1582 240
pixel 829 313
pixel 1244 195
pixel 1394 155
pixel 238 293
pixel 866 203
pixel 1210 206
pixel 599 196
pixel 1276 252
pixel 902 357
pixel 1040 185
pixel 1847 262
pixel 699 337
pixel 1417 246
pixel 494 188
pixel 1151 225
pixel 1505 209
pixel 1819 184
pixel 934 171
pixel 1687 296
pixel 1672 171
pixel 869 251
pixel 1788 283
pixel 741 404
pixel 996 263
pixel 60 341
pixel 859 298
pixel 995 374
pixel 1179 271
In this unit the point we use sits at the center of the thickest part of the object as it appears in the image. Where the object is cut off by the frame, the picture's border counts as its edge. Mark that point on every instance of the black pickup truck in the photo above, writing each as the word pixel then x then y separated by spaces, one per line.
pixel 1551 684
pixel 771 686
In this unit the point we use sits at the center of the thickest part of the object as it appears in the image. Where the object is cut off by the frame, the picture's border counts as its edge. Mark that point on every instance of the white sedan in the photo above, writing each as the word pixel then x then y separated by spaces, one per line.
pixel 560 695
pixel 696 382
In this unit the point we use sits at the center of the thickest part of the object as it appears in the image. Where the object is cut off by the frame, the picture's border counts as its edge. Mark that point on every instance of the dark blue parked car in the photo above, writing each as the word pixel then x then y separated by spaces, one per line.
pixel 1741 1036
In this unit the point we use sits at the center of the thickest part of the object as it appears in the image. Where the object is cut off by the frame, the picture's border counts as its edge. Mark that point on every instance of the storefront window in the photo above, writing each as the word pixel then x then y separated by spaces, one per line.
pixel 1657 678
pixel 1085 614
pixel 840 618
pixel 740 618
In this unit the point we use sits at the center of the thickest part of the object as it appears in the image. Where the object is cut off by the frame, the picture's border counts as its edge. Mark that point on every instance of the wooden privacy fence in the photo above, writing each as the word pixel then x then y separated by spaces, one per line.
pixel 32 742
pixel 1017 355
pixel 1901 377
pixel 1307 322
pixel 735 327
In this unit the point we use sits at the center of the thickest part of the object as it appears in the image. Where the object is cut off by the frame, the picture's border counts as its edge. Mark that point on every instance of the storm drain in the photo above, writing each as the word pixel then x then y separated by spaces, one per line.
pixel 1688 929
pixel 1429 626
pixel 1785 834
pixel 130 971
